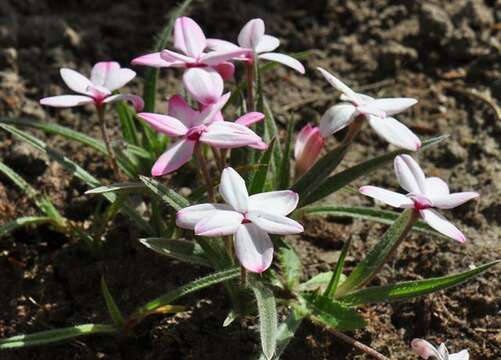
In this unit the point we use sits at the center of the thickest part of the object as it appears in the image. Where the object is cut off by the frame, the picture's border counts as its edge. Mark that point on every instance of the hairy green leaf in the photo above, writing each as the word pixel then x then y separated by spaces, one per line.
pixel 267 310
pixel 183 250
pixel 291 267
pixel 169 196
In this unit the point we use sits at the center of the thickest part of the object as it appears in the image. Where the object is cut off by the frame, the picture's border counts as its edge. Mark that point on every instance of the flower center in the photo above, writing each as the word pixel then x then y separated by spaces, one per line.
pixel 195 133
pixel 246 221
pixel 421 202
pixel 195 65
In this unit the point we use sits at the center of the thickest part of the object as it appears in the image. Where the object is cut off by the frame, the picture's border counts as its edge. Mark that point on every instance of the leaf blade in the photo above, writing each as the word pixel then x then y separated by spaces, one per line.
pixel 268 324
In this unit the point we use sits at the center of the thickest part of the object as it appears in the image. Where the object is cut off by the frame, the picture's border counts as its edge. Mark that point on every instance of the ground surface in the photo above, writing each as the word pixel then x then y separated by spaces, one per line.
pixel 445 54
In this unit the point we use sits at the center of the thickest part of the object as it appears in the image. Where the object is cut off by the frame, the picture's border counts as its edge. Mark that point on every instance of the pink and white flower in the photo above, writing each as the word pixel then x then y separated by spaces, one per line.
pixel 309 144
pixel 426 350
pixel 106 77
pixel 424 194
pixel 190 40
pixel 192 127
pixel 249 218
pixel 377 112
pixel 256 44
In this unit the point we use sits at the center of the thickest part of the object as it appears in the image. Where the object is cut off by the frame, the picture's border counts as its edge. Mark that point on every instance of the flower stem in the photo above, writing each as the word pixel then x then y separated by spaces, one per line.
pixel 354 129
pixel 202 163
pixel 249 73
pixel 111 154
pixel 243 277
pixel 358 345
pixel 218 156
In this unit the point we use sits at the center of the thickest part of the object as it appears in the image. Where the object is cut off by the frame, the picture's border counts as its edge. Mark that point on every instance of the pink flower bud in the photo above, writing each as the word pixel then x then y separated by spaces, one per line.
pixel 309 144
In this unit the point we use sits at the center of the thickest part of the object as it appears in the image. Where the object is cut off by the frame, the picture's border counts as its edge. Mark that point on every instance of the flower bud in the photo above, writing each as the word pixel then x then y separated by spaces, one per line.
pixel 309 144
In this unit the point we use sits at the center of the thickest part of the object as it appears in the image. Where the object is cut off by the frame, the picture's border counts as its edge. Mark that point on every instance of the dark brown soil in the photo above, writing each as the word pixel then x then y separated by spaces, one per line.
pixel 444 53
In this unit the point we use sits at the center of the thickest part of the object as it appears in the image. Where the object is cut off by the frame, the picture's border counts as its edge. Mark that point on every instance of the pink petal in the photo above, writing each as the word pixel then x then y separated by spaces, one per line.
pixel 176 156
pixel 409 174
pixel 339 85
pixel 233 190
pixel 250 118
pixel 209 112
pixel 66 100
pixel 424 349
pixel 188 217
pixel 101 70
pixel 253 248
pixel 274 224
pixel 435 187
pixel 393 105
pixel 309 144
pixel 441 224
pixel 337 118
pixel 285 60
pixel 118 78
pixel 453 200
pixel 225 69
pixel 164 124
pixel 135 100
pixel 217 57
pixel 395 132
pixel 277 202
pixel 154 60
pixel 189 37
pixel 227 135
pixel 219 223
pixel 386 196
pixel 251 34
pixel 221 45
pixel 267 43
pixel 204 85
pixel 260 145
pixel 176 58
pixel 179 109
pixel 75 81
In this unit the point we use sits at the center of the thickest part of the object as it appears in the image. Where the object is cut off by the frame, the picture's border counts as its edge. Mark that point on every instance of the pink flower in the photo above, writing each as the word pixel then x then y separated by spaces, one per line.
pixel 192 127
pixel 424 195
pixel 376 111
pixel 309 144
pixel 426 350
pixel 190 40
pixel 256 43
pixel 105 77
pixel 249 218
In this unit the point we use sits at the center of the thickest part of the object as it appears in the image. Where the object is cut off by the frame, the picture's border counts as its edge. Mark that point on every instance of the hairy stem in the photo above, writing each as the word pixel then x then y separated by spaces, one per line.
pixel 112 161
pixel 358 345
pixel 202 163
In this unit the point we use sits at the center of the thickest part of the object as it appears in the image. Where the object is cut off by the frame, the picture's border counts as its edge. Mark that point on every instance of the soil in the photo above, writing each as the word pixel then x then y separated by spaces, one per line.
pixel 446 54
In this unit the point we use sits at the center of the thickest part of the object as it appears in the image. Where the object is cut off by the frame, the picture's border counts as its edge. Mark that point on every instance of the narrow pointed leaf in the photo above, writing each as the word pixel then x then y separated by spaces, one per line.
pixel 183 250
pixel 132 187
pixel 127 122
pixel 338 271
pixel 284 175
pixel 20 222
pixel 270 132
pixel 169 196
pixel 267 310
pixel 259 179
pixel 290 266
pixel 111 305
pixel 411 289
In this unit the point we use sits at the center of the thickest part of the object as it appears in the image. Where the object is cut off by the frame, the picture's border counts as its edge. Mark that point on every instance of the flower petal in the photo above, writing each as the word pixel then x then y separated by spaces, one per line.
pixel 392 106
pixel 219 223
pixel 276 202
pixel 233 190
pixel 206 116
pixel 75 81
pixel 250 118
pixel 164 124
pixel 273 223
pixel 204 85
pixel 251 34
pixel 462 355
pixel 66 100
pixel 135 100
pixel 176 58
pixel 285 60
pixel 395 132
pixel 253 248
pixel 153 59
pixel 441 224
pixel 267 43
pixel 309 144
pixel 424 349
pixel 179 109
pixel 217 57
pixel 188 217
pixel 189 37
pixel 225 69
pixel 227 135
pixel 101 70
pixel 409 174
pixel 435 187
pixel 388 197
pixel 221 45
pixel 337 118
pixel 118 78
pixel 339 85
pixel 453 200
pixel 176 156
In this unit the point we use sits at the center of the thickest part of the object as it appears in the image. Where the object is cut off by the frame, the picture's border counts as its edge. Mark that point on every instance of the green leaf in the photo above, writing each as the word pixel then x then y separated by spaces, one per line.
pixel 57 335
pixel 338 271
pixel 169 196
pixel 387 217
pixel 379 254
pixel 284 173
pixel 291 266
pixel 319 282
pixel 127 124
pixel 183 250
pixel 126 187
pixel 311 180
pixel 267 309
pixel 330 313
pixel 184 290
pixel 20 222
pixel 343 178
pixel 259 179
pixel 111 305
pixel 271 131
pixel 411 289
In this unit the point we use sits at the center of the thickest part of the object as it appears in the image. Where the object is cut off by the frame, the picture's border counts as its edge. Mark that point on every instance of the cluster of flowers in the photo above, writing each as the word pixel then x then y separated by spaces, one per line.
pixel 207 64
